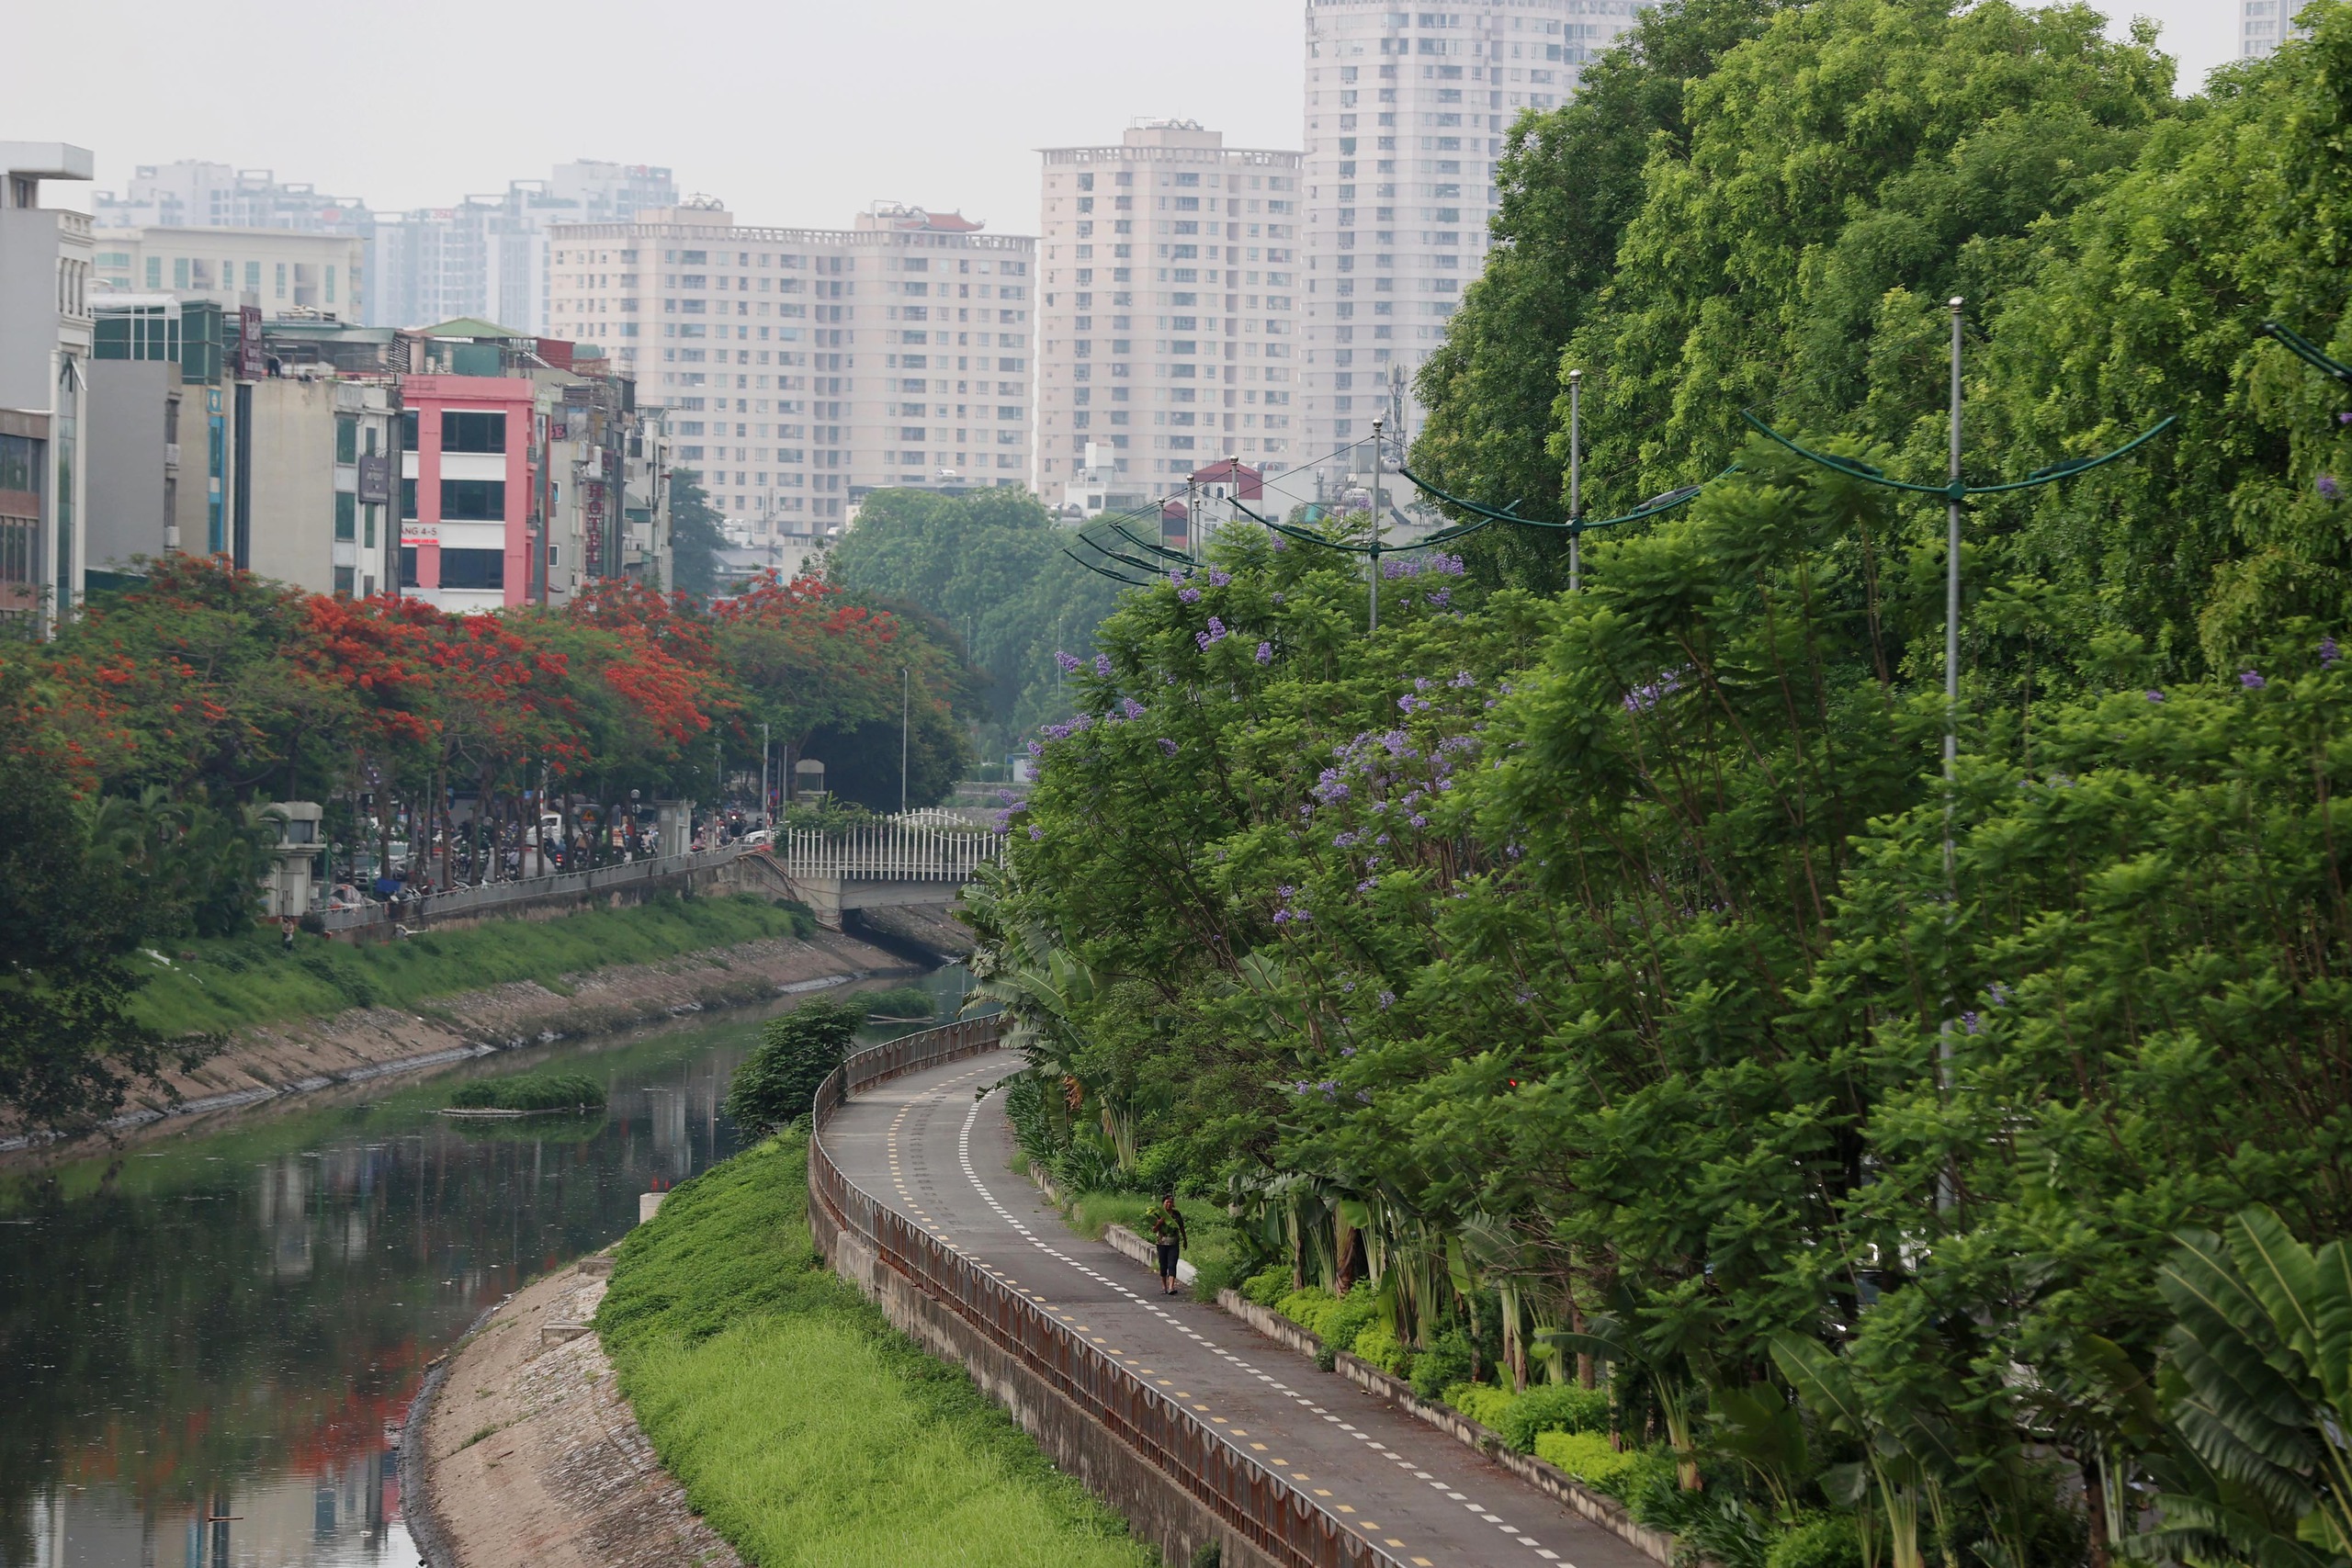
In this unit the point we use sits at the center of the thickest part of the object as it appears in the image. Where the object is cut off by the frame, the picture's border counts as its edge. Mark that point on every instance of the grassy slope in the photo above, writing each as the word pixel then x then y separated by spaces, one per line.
pixel 803 1427
pixel 236 981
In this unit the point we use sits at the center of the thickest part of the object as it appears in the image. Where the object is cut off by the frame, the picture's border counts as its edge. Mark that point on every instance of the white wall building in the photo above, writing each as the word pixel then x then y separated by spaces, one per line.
pixel 46 337
pixel 1170 323
pixel 1405 112
pixel 2263 24
pixel 284 271
pixel 803 367
pixel 194 194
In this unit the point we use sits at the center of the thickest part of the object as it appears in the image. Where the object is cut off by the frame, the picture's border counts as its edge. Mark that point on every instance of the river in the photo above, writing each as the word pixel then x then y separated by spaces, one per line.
pixel 208 1341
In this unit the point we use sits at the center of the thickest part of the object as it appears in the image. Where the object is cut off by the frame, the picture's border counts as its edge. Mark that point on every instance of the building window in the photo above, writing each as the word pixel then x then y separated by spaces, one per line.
pixel 408 434
pixel 281 280
pixel 408 566
pixel 346 439
pixel 346 515
pixel 344 583
pixel 473 569
pixel 473 501
pixel 463 432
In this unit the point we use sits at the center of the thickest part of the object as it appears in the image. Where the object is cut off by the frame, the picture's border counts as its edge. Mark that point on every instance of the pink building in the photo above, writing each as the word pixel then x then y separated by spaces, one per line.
pixel 466 491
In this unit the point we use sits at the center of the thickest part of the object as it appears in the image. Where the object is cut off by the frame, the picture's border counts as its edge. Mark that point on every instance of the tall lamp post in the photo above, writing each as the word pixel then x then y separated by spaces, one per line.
pixel 906 700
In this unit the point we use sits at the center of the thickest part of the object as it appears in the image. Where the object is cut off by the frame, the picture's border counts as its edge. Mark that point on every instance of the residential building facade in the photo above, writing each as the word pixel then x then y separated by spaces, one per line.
pixel 488 256
pixel 2263 24
pixel 798 369
pixel 466 482
pixel 45 344
pixel 280 270
pixel 1405 112
pixel 317 448
pixel 160 402
pixel 195 194
pixel 528 470
pixel 1169 312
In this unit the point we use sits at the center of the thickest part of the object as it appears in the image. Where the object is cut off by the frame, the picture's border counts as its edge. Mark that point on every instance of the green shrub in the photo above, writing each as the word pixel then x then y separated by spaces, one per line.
pixel 531 1091
pixel 1268 1288
pixel 1827 1542
pixel 1588 1458
pixel 1310 1308
pixel 1483 1403
pixel 899 1002
pixel 1379 1345
pixel 777 1083
pixel 1446 1363
pixel 1552 1407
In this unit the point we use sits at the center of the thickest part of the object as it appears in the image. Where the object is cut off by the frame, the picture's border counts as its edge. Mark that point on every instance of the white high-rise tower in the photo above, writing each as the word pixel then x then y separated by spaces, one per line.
pixel 1405 112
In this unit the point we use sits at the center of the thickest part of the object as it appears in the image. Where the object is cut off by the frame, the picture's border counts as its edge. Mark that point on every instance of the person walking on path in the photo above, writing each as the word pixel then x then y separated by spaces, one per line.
pixel 1168 1232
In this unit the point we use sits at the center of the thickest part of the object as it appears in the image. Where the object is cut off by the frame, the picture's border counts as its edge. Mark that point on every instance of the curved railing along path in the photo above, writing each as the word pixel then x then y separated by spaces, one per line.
pixel 1299 1470
pixel 1281 1520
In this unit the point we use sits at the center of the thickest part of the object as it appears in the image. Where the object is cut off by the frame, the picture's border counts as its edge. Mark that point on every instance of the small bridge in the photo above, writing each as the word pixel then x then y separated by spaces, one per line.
pixel 919 861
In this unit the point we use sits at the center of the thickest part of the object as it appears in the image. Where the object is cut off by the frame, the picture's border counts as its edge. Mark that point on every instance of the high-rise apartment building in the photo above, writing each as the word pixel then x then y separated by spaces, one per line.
pixel 1405 112
pixel 194 194
pixel 2263 24
pixel 488 256
pixel 1168 334
pixel 804 367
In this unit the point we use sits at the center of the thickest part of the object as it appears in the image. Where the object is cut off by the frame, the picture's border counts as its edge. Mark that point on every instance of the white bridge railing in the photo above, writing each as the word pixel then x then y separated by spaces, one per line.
pixel 887 852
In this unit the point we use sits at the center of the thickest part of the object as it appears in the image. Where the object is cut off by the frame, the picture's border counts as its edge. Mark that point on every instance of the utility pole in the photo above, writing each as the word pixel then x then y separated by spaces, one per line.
pixel 1952 729
pixel 1951 602
pixel 764 774
pixel 1374 557
pixel 906 700
pixel 1575 480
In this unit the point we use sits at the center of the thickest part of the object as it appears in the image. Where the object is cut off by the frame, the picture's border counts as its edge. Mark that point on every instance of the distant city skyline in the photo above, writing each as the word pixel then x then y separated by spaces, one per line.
pixel 921 102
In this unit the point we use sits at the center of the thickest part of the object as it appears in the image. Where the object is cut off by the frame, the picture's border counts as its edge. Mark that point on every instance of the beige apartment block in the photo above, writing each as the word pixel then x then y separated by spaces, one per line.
pixel 801 369
pixel 283 272
pixel 1171 335
pixel 1407 115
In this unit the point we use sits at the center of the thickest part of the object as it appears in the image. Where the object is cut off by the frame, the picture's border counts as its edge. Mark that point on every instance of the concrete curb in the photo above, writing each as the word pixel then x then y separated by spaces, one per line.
pixel 1554 1482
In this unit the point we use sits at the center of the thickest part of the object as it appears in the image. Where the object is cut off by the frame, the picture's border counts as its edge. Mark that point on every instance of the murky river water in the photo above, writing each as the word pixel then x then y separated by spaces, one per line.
pixel 207 1340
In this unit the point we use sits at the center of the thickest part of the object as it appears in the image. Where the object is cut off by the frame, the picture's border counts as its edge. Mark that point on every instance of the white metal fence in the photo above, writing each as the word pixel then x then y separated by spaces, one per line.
pixel 886 852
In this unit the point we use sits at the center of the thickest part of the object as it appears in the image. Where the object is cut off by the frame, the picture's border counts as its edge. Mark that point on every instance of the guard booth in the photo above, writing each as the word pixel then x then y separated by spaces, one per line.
pixel 808 780
pixel 294 859
pixel 673 827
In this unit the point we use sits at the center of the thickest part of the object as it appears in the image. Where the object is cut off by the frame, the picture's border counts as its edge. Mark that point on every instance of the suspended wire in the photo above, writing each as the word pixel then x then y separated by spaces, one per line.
pixel 1956 489
pixel 2307 351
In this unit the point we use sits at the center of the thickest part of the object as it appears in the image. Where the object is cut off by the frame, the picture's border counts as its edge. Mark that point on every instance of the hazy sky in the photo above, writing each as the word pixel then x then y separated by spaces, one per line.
pixel 796 113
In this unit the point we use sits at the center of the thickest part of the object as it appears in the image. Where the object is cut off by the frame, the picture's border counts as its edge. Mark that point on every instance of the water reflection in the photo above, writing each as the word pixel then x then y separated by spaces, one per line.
pixel 206 1343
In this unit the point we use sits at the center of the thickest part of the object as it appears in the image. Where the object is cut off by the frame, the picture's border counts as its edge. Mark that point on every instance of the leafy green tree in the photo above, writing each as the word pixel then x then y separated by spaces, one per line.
pixel 71 910
pixel 991 565
pixel 1568 183
pixel 696 537
pixel 776 1084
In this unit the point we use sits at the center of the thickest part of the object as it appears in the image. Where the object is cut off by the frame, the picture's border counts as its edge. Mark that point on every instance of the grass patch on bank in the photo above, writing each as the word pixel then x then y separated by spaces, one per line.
pixel 804 1428
pixel 234 982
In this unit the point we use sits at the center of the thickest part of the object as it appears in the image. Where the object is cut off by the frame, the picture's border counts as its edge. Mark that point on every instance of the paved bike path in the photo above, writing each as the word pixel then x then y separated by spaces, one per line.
pixel 924 1144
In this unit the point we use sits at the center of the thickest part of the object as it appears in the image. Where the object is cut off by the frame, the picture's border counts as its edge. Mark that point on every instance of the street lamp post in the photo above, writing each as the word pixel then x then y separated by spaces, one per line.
pixel 906 700
pixel 1575 480
pixel 1375 557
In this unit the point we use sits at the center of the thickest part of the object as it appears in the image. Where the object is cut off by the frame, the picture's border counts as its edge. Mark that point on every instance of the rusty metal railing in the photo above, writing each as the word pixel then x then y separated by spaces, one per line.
pixel 1258 1503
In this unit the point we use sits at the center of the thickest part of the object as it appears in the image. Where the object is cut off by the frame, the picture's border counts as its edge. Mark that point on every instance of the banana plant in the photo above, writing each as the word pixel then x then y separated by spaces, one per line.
pixel 2258 1380
pixel 1668 1369
pixel 1910 1459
